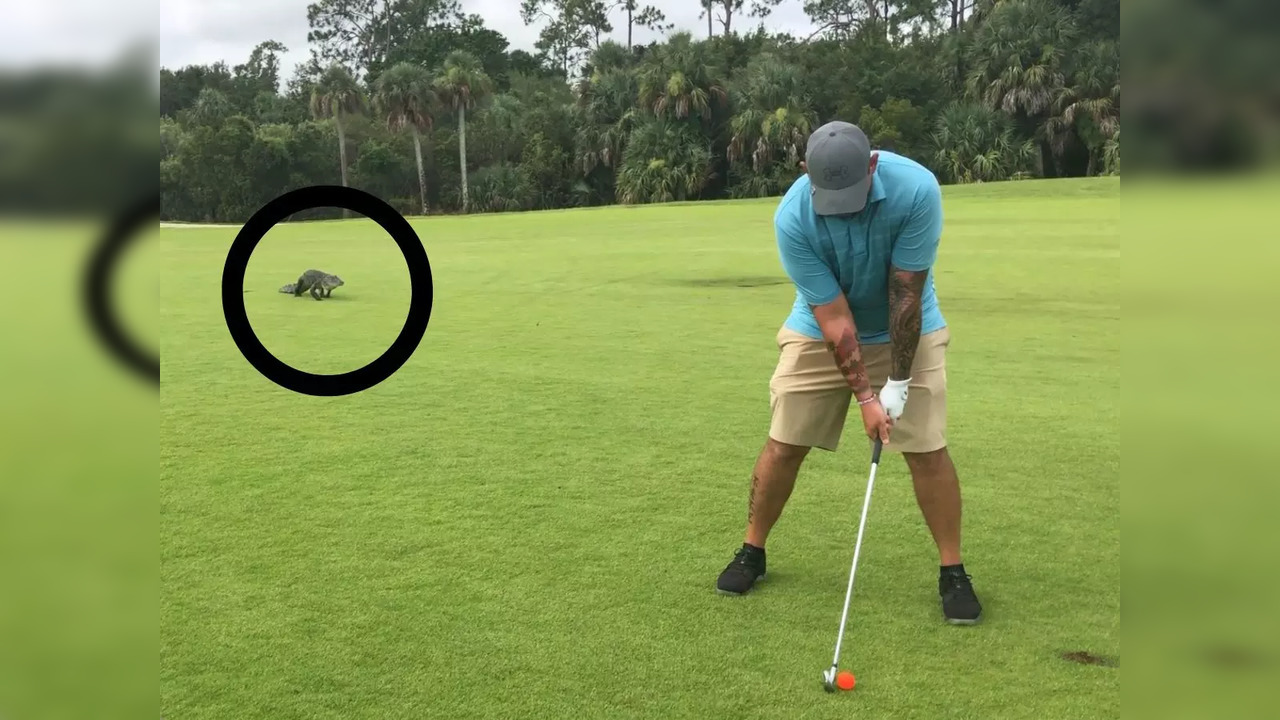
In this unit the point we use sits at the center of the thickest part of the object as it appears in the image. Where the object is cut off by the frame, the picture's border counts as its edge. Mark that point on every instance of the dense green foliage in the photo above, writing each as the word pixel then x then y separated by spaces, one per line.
pixel 427 108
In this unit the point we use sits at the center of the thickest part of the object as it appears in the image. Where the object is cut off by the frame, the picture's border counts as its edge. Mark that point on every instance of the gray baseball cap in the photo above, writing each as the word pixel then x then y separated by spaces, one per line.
pixel 838 158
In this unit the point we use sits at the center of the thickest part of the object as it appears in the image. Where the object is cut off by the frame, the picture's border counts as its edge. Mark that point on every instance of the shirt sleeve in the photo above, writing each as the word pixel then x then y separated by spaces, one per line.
pixel 916 248
pixel 815 281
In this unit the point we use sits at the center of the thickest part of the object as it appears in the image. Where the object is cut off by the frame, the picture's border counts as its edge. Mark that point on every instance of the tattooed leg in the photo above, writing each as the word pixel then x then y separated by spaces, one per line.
pixel 772 481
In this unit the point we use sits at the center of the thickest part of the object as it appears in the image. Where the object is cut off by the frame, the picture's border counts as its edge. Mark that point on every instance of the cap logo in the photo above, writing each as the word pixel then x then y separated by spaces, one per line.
pixel 832 174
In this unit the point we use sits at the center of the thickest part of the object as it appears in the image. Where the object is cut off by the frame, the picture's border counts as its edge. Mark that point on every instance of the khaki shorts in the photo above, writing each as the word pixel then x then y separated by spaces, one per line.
pixel 810 398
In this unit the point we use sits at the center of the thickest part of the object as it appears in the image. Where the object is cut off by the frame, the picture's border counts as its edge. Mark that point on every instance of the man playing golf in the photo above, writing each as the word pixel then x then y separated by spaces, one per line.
pixel 858 234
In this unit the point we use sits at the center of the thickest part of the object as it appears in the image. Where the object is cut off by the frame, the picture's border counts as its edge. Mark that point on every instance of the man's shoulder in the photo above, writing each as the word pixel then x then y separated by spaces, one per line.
pixel 910 187
pixel 904 175
pixel 791 209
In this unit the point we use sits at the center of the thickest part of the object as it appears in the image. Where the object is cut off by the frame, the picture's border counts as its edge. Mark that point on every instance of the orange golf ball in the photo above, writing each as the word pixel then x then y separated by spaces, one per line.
pixel 844 680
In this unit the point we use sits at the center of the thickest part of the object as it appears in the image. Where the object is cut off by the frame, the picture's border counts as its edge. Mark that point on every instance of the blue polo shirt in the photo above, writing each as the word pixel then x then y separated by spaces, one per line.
pixel 826 256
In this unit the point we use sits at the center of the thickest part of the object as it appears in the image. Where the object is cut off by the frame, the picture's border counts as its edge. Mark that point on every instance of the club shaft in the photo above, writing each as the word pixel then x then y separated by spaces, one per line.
pixel 857 548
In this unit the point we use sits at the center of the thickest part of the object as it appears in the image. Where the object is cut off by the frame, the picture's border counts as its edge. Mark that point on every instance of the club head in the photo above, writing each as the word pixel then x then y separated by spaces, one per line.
pixel 829 680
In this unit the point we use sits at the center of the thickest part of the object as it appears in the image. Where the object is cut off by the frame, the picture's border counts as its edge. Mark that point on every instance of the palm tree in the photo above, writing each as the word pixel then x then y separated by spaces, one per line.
pixel 665 160
pixel 1017 60
pixel 210 109
pixel 336 95
pixel 605 101
pixel 772 119
pixel 405 97
pixel 461 85
pixel 1111 154
pixel 610 55
pixel 1089 106
pixel 676 80
pixel 974 143
pixel 764 135
pixel 503 117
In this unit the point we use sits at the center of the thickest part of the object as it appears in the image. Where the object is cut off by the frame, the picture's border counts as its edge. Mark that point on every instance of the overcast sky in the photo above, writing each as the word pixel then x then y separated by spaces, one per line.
pixel 78 32
pixel 205 31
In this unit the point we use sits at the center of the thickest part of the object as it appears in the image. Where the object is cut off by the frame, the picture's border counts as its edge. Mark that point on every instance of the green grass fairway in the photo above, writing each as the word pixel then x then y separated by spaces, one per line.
pixel 78 435
pixel 528 519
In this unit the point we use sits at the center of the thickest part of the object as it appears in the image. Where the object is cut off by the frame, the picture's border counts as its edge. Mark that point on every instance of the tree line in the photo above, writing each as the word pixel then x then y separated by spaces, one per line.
pixel 426 107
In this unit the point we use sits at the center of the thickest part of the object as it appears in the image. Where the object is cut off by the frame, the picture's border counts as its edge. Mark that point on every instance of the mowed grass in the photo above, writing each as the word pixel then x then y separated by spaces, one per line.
pixel 528 519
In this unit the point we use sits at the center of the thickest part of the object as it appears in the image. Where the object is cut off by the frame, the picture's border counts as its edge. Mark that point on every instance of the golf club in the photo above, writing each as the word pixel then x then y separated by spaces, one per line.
pixel 829 677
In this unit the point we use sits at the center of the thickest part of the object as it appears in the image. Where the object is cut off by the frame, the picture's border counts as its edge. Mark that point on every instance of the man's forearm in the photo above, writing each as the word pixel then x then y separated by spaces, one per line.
pixel 841 334
pixel 848 355
pixel 905 292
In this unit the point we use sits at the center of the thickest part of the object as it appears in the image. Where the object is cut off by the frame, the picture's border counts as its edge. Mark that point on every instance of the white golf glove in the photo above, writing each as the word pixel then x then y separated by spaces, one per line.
pixel 893 397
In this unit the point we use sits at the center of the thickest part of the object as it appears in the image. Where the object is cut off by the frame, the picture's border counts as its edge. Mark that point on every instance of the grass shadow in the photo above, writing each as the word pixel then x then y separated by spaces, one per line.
pixel 1087 658
pixel 307 296
pixel 748 281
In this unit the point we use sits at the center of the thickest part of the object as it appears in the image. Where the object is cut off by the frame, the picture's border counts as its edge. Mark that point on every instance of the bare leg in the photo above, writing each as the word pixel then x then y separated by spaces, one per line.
pixel 772 481
pixel 937 489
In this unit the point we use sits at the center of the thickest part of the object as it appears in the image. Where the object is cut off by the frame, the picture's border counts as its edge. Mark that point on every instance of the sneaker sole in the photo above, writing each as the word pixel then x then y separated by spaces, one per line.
pixel 962 621
pixel 740 594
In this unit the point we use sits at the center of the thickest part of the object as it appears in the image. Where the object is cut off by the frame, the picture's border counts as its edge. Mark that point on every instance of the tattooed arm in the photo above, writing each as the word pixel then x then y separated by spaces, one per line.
pixel 915 250
pixel 905 291
pixel 816 283
pixel 841 335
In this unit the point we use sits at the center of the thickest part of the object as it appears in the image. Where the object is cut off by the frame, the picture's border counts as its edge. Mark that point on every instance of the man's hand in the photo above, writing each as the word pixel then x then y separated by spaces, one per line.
pixel 875 420
pixel 893 397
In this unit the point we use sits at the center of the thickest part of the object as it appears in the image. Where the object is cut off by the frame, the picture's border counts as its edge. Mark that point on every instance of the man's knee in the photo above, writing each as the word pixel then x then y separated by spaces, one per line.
pixel 928 463
pixel 783 454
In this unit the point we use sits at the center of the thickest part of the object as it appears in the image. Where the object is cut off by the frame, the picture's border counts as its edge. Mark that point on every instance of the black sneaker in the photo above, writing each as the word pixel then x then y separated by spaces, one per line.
pixel 742 572
pixel 960 605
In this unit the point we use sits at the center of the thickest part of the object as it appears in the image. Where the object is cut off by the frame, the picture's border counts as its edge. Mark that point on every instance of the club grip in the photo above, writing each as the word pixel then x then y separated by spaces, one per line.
pixel 876 446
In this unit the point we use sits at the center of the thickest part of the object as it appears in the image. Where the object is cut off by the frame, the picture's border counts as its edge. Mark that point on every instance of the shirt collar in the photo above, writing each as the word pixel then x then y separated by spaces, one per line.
pixel 877 187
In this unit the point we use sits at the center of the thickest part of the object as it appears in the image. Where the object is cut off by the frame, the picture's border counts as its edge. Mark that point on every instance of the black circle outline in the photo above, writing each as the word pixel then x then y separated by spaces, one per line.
pixel 420 280
pixel 97 283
